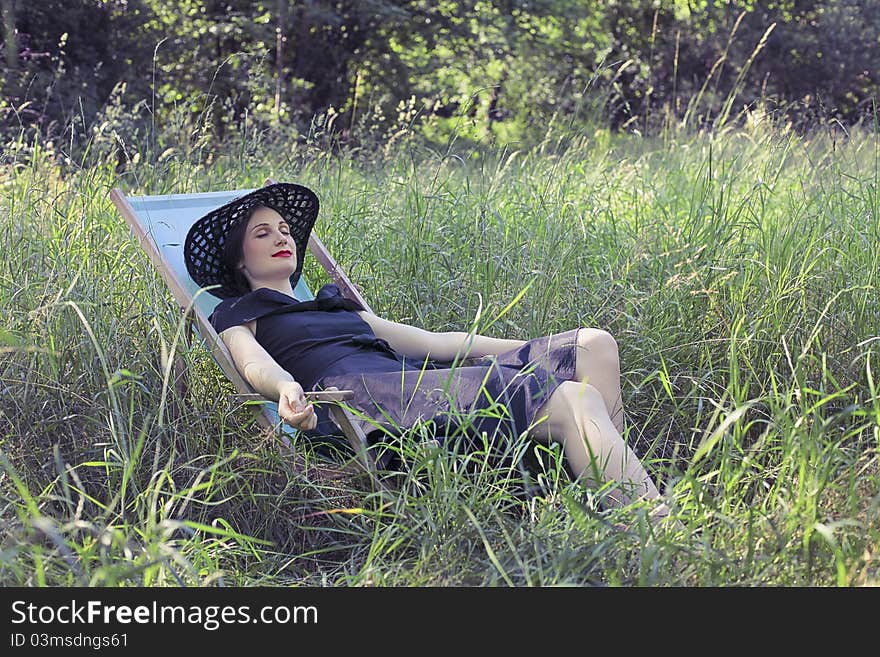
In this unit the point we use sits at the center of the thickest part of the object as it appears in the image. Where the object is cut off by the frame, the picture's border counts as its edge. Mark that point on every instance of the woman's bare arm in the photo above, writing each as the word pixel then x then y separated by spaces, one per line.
pixel 255 364
pixel 268 378
pixel 442 346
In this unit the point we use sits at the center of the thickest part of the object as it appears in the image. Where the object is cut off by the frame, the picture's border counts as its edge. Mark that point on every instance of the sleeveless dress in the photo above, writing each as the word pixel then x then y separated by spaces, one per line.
pixel 324 342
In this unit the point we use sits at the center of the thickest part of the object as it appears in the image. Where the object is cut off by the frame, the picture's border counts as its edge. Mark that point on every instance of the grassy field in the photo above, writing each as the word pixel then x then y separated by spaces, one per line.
pixel 738 272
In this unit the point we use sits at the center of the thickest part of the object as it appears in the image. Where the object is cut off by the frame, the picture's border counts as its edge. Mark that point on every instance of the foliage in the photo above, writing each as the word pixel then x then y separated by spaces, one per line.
pixel 492 71
pixel 737 270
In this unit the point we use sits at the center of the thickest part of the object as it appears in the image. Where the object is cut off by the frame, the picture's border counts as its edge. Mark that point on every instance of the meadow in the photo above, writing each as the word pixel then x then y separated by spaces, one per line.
pixel 738 271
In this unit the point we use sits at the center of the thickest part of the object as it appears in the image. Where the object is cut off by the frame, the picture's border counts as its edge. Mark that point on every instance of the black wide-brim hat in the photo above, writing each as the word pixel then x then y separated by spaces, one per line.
pixel 203 249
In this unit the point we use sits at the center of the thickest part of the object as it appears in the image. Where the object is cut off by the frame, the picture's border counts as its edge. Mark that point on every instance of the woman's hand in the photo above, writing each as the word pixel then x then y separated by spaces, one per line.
pixel 293 407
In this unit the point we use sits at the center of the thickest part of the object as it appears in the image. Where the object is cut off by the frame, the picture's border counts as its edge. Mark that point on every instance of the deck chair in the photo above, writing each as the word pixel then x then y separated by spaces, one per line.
pixel 160 224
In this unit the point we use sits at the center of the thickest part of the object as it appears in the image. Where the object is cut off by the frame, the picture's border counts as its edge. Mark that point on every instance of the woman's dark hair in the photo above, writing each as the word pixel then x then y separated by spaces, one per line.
pixel 233 253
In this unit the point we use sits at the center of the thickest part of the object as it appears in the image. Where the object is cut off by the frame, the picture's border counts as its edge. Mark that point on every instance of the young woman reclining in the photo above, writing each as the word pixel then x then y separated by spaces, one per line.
pixel 563 388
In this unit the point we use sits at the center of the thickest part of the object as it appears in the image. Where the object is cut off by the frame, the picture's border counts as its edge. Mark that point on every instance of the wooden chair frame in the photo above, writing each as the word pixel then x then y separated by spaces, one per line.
pixel 182 286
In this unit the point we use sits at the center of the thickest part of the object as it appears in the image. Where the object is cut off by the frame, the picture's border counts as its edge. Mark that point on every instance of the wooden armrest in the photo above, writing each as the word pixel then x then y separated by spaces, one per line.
pixel 311 395
pixel 329 395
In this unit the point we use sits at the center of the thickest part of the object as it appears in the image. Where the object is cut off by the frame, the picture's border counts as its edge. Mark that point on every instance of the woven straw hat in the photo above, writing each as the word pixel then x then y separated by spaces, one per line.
pixel 203 249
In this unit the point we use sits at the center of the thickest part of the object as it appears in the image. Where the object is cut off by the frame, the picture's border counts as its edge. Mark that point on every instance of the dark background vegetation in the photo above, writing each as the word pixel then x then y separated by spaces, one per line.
pixel 79 70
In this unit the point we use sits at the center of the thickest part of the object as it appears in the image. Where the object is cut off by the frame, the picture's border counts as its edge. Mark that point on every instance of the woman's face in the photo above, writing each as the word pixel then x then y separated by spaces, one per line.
pixel 268 250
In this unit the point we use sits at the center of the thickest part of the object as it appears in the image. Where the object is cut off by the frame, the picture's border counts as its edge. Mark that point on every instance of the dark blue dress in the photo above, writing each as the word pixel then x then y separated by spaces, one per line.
pixel 324 343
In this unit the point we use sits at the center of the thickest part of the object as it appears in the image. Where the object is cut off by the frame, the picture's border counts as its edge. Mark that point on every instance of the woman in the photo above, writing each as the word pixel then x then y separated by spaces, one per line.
pixel 563 388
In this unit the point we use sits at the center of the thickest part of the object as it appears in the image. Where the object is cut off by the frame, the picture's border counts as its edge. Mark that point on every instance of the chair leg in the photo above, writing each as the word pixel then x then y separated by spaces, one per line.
pixel 356 437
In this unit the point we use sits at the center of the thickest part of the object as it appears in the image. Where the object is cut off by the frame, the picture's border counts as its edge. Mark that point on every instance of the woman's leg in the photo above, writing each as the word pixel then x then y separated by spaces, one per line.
pixel 596 452
pixel 598 364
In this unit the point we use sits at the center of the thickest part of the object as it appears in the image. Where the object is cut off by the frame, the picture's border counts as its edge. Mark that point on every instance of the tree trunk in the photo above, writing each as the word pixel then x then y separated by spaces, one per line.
pixel 10 45
pixel 280 37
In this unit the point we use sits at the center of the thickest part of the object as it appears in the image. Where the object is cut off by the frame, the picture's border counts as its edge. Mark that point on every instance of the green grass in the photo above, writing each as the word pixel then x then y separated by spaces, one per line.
pixel 738 272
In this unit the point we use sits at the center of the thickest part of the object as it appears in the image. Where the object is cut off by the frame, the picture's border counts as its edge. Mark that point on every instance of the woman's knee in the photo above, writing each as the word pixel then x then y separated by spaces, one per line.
pixel 597 342
pixel 565 411
pixel 581 397
pixel 562 412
